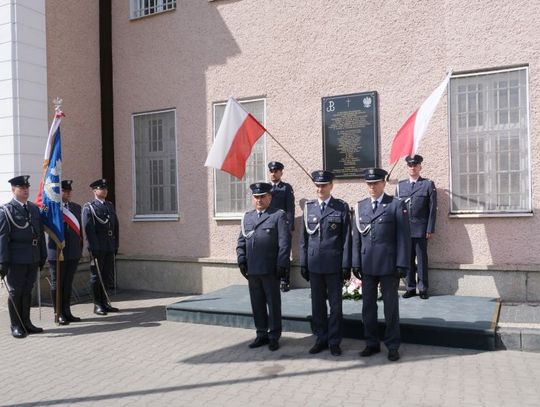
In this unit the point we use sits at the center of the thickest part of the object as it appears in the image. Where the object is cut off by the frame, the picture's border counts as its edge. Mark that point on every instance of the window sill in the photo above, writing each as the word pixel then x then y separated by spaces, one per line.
pixel 155 218
pixel 228 217
pixel 490 215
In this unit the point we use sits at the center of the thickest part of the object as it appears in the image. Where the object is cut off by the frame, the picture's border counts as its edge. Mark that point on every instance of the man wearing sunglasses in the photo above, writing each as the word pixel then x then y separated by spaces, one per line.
pixel 420 196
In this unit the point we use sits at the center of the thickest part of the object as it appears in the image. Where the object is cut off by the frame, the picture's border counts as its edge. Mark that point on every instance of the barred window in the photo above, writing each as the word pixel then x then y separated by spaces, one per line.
pixel 232 197
pixel 155 164
pixel 489 142
pixel 142 8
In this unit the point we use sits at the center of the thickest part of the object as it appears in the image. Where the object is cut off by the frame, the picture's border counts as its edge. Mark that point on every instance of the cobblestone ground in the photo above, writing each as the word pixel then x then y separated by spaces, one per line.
pixel 137 358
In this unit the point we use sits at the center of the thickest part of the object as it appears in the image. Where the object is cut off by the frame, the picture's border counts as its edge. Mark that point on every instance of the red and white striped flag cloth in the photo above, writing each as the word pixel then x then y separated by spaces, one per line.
pixel 237 134
pixel 71 221
pixel 407 139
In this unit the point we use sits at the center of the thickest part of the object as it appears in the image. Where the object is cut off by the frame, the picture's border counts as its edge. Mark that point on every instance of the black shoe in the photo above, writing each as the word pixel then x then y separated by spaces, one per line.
pixel 258 342
pixel 273 345
pixel 110 308
pixel 393 355
pixel 62 320
pixel 370 350
pixel 72 318
pixel 318 347
pixel 424 295
pixel 18 332
pixel 335 350
pixel 32 329
pixel 99 310
pixel 409 294
pixel 284 287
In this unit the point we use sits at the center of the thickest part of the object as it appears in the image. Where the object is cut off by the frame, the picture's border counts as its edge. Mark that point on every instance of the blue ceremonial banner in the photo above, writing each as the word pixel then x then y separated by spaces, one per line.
pixel 49 198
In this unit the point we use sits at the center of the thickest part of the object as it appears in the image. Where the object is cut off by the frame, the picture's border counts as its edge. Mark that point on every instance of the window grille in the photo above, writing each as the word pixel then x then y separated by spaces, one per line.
pixel 489 142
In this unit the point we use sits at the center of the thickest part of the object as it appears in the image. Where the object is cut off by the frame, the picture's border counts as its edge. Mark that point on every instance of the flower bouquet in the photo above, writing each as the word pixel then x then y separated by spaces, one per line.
pixel 352 289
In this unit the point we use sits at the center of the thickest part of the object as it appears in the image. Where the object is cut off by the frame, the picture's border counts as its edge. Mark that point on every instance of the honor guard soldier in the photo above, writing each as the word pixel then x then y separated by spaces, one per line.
pixel 263 252
pixel 101 228
pixel 71 252
pixel 420 196
pixel 22 252
pixel 381 248
pixel 325 260
pixel 282 198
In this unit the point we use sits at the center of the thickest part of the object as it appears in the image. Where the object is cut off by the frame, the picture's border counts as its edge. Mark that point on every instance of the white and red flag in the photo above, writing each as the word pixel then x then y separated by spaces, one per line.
pixel 407 139
pixel 237 134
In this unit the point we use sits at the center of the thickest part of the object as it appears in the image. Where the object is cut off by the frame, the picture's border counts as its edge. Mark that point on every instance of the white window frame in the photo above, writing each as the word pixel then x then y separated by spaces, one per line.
pixel 487 213
pixel 239 215
pixel 137 8
pixel 154 217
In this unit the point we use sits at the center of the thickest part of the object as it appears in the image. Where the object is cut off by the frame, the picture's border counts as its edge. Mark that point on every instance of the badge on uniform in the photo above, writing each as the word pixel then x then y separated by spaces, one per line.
pixel 333 226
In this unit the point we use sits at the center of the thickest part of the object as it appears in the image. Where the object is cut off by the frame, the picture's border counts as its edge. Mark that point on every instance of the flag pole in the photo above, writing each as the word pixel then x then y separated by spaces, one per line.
pixel 289 154
pixel 58 286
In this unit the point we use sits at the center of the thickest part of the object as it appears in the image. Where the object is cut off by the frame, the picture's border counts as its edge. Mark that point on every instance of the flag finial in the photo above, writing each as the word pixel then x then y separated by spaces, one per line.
pixel 57 103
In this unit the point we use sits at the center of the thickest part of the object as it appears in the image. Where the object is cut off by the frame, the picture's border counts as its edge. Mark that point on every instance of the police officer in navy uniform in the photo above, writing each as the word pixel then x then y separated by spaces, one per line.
pixel 101 228
pixel 282 198
pixel 325 260
pixel 380 255
pixel 22 253
pixel 263 251
pixel 420 196
pixel 71 252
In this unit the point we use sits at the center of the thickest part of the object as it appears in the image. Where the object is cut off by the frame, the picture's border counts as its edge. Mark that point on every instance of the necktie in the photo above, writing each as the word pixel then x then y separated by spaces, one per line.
pixel 323 205
pixel 25 208
pixel 412 184
pixel 259 214
pixel 375 203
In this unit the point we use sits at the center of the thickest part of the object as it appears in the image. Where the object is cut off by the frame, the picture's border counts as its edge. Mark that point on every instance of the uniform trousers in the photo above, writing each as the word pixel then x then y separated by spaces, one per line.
pixel 327 329
pixel 21 278
pixel 389 289
pixel 266 305
pixel 420 267
pixel 105 261
pixel 67 272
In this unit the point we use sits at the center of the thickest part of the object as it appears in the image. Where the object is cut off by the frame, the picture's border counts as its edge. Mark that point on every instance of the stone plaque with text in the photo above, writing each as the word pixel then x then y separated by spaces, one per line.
pixel 350 133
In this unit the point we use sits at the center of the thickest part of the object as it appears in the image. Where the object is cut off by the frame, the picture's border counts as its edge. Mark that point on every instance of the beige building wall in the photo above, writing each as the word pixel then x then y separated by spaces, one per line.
pixel 293 53
pixel 73 75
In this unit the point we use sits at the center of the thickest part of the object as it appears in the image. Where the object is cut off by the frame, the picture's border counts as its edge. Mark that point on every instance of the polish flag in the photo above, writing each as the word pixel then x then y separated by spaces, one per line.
pixel 407 139
pixel 237 134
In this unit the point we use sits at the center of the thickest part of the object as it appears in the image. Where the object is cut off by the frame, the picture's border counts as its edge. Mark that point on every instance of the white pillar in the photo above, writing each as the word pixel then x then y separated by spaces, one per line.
pixel 23 92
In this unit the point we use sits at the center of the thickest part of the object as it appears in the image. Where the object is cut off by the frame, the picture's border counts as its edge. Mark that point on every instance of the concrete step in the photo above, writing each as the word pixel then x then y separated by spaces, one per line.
pixel 446 320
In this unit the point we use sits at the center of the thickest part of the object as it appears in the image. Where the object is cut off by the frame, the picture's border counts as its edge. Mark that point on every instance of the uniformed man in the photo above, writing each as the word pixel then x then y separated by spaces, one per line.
pixel 420 196
pixel 282 198
pixel 325 260
pixel 101 228
pixel 263 251
pixel 22 252
pixel 72 252
pixel 381 248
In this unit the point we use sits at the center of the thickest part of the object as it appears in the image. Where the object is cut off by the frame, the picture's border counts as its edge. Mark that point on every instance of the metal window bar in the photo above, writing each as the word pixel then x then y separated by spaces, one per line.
pixel 142 8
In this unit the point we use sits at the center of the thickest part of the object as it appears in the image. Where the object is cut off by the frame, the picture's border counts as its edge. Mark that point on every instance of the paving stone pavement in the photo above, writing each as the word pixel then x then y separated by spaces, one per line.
pixel 137 358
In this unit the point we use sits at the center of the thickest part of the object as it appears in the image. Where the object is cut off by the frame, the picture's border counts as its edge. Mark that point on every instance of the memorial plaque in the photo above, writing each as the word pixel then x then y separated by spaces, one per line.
pixel 350 133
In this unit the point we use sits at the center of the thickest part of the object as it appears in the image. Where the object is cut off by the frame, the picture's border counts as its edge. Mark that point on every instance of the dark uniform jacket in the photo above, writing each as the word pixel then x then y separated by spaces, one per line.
pixel 283 198
pixel 101 226
pixel 74 244
pixel 265 242
pixel 421 201
pixel 24 241
pixel 328 249
pixel 381 240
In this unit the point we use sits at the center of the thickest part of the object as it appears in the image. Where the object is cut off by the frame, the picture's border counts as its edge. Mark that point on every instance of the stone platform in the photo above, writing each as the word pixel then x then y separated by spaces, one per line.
pixel 452 321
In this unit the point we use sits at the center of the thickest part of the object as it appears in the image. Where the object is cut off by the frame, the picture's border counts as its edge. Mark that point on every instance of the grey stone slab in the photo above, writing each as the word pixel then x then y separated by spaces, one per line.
pixel 530 340
pixel 445 320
